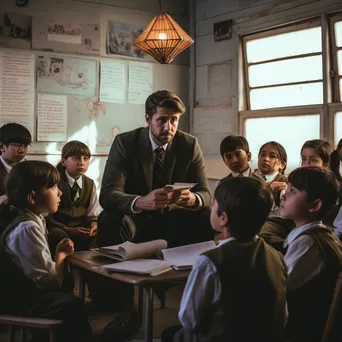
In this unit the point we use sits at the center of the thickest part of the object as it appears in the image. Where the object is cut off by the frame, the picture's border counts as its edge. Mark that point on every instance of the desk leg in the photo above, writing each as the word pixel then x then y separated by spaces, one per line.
pixel 149 314
pixel 140 304
pixel 82 287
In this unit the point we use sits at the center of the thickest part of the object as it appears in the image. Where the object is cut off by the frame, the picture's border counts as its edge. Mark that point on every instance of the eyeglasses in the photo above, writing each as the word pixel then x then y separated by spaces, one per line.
pixel 19 146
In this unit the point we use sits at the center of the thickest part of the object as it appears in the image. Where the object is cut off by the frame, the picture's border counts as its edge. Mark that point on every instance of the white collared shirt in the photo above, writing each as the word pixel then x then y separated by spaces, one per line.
pixel 338 223
pixel 203 288
pixel 94 208
pixel 28 245
pixel 7 166
pixel 303 257
pixel 269 178
pixel 246 173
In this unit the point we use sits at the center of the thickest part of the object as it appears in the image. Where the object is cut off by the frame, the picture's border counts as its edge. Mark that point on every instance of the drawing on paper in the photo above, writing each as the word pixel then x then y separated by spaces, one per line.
pixel 66 75
pixel 15 30
pixel 120 39
pixel 65 33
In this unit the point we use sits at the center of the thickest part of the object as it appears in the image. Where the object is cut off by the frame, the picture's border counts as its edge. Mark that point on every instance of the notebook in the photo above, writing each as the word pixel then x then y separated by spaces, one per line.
pixel 184 257
pixel 130 251
pixel 150 267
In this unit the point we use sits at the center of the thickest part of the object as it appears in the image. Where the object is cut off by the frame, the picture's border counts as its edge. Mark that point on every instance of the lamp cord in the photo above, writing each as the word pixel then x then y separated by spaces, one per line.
pixel 160 8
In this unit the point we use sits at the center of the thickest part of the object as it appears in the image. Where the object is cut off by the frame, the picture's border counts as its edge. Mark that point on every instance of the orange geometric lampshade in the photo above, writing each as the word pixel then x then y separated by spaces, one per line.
pixel 163 39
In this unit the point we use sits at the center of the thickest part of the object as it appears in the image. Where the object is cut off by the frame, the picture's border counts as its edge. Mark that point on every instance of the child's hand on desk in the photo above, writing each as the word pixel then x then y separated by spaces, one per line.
pixel 65 248
pixel 93 231
pixel 184 198
pixel 278 186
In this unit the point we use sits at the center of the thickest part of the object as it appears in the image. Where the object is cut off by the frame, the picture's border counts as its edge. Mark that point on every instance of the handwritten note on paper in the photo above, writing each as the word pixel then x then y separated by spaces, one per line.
pixel 113 81
pixel 211 125
pixel 52 117
pixel 140 82
pixel 17 87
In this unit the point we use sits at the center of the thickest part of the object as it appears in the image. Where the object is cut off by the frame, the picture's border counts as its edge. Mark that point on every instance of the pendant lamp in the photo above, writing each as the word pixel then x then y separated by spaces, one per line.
pixel 163 39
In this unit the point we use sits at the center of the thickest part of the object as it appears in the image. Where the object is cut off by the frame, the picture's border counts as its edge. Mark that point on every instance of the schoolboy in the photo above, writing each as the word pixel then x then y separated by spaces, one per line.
pixel 235 153
pixel 237 291
pixel 15 140
pixel 314 253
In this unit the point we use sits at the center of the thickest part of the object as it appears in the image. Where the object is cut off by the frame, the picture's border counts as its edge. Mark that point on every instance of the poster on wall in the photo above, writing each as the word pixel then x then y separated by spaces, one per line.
pixel 15 30
pixel 70 34
pixel 120 39
pixel 63 75
pixel 223 30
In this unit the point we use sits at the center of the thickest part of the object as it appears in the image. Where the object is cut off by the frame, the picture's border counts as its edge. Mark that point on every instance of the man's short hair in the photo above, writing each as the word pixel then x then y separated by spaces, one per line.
pixel 232 143
pixel 247 202
pixel 318 183
pixel 163 98
pixel 15 133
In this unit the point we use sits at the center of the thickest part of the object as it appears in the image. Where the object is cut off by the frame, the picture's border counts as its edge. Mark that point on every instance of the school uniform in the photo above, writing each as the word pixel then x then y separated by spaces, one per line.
pixel 235 292
pixel 4 170
pixel 338 224
pixel 313 257
pixel 79 211
pixel 30 286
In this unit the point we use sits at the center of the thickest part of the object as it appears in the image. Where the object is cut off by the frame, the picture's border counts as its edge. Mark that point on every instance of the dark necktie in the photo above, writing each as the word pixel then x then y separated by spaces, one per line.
pixel 158 167
pixel 73 192
pixel 240 175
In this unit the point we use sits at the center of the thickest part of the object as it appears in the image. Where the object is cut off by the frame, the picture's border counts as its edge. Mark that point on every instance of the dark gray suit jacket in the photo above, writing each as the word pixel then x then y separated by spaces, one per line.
pixel 129 169
pixel 3 176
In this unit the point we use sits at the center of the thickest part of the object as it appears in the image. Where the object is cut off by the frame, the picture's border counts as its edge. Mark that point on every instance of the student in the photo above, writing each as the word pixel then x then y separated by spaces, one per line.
pixel 34 285
pixel 237 291
pixel 79 207
pixel 235 153
pixel 316 153
pixel 272 161
pixel 314 253
pixel 15 140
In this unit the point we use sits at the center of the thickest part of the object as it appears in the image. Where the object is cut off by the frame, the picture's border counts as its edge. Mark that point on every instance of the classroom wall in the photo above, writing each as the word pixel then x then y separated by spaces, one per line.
pixel 138 12
pixel 249 16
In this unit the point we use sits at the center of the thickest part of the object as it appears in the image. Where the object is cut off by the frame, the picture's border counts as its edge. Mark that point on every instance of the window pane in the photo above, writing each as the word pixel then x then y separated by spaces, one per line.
pixel 340 89
pixel 284 45
pixel 293 70
pixel 338 127
pixel 339 61
pixel 290 131
pixel 284 96
pixel 338 33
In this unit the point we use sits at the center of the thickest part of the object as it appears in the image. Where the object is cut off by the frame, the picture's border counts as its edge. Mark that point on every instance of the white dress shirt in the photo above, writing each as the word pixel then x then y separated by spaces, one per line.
pixel 27 244
pixel 203 289
pixel 94 208
pixel 268 178
pixel 303 257
pixel 246 173
pixel 7 166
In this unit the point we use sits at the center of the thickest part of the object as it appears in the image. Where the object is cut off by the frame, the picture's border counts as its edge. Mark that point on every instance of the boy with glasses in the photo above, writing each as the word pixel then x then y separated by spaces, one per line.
pixel 15 140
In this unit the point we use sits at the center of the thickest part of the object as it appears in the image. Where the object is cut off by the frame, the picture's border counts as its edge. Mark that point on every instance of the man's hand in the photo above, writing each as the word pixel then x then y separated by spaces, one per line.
pixel 93 231
pixel 156 199
pixel 184 198
pixel 64 248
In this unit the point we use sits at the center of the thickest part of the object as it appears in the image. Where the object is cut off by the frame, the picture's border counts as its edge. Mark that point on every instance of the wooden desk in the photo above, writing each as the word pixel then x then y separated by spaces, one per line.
pixel 87 260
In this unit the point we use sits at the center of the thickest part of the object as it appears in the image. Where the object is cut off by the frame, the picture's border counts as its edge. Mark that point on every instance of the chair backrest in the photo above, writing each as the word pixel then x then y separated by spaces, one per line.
pixel 335 309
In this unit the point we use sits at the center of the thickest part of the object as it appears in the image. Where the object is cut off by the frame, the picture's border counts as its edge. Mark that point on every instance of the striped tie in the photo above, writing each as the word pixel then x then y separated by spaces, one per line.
pixel 73 192
pixel 158 167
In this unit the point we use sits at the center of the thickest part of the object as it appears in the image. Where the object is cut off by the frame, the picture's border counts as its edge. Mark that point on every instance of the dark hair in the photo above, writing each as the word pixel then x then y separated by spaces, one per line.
pixel 232 143
pixel 318 183
pixel 281 153
pixel 28 176
pixel 335 161
pixel 322 148
pixel 247 202
pixel 15 133
pixel 163 98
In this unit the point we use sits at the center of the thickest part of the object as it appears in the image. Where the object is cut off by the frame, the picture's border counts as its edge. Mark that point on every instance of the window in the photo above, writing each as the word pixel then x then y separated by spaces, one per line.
pixel 293 85
pixel 290 131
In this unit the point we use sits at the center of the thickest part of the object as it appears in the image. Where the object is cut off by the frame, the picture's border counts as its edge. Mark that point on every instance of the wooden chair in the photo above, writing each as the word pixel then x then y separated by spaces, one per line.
pixel 335 308
pixel 27 322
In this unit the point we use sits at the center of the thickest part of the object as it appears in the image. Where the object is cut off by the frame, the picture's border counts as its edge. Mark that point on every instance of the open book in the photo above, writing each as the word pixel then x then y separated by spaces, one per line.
pixel 180 186
pixel 184 257
pixel 150 267
pixel 129 250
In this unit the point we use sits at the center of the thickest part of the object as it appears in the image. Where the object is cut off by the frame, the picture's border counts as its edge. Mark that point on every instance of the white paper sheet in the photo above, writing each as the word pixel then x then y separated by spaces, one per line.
pixel 113 84
pixel 17 88
pixel 52 117
pixel 140 82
